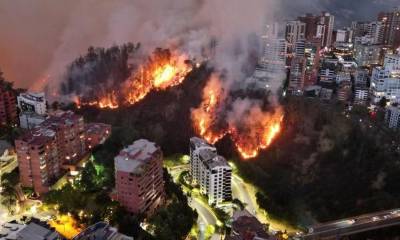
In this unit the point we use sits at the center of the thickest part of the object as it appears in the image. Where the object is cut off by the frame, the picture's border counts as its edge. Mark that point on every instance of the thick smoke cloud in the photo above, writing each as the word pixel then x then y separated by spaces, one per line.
pixel 46 35
pixel 40 38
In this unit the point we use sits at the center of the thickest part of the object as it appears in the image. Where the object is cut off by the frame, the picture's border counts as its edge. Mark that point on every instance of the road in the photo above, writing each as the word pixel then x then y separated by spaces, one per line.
pixel 240 192
pixel 9 167
pixel 206 216
pixel 349 226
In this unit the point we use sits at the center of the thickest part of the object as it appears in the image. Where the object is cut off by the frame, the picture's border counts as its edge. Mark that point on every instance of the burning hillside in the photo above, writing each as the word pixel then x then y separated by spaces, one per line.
pixel 161 71
pixel 250 127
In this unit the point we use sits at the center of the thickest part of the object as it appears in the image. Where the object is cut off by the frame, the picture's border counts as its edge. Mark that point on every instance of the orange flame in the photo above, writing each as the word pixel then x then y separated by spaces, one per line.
pixel 158 74
pixel 109 101
pixel 253 132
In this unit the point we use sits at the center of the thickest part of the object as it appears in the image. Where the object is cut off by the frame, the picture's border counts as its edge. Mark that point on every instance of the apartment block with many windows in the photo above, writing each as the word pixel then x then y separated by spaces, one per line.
pixel 139 177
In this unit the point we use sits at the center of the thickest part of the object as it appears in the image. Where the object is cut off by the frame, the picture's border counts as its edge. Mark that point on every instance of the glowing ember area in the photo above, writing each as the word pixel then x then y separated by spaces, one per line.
pixel 109 101
pixel 163 71
pixel 256 131
pixel 250 128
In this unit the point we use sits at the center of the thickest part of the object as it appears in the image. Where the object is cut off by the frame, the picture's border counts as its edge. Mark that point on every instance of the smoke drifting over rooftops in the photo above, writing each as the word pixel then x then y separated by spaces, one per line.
pixel 39 38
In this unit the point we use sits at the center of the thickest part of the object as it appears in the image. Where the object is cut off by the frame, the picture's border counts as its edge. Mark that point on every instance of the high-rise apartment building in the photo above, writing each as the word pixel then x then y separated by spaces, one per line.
pixel 367 54
pixel 8 104
pixel 139 177
pixel 297 75
pixel 391 27
pixel 196 145
pixel 210 171
pixel 58 141
pixel 319 26
pixel 38 160
pixel 392 117
pixel 369 32
pixel 385 81
pixel 295 31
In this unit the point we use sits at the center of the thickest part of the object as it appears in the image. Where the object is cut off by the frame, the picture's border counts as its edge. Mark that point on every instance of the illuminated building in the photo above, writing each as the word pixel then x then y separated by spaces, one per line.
pixel 139 177
pixel 385 81
pixel 210 171
pixel 361 95
pixel 197 144
pixel 367 54
pixel 47 147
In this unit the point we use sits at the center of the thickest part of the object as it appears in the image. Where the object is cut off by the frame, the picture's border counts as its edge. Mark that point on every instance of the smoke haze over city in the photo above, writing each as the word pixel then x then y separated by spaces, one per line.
pixel 45 36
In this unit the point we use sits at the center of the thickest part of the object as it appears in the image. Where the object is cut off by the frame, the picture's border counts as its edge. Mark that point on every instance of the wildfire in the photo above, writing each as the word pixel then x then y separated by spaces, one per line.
pixel 259 132
pixel 204 116
pixel 160 72
pixel 250 128
pixel 109 101
pixel 163 71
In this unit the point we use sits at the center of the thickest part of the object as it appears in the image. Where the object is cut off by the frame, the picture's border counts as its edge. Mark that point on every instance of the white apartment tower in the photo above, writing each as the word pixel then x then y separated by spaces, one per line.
pixel 385 81
pixel 197 145
pixel 392 116
pixel 210 171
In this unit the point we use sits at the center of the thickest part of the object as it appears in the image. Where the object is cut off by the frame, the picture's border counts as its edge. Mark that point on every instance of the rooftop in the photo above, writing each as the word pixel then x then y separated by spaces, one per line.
pixel 101 231
pixel 207 154
pixel 32 231
pixel 39 97
pixel 199 142
pixel 132 158
pixel 46 131
pixel 217 161
pixel 96 128
pixel 246 226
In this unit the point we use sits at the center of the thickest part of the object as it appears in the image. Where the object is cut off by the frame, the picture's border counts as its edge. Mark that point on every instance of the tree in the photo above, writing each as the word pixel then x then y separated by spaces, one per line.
pixel 88 177
pixel 383 102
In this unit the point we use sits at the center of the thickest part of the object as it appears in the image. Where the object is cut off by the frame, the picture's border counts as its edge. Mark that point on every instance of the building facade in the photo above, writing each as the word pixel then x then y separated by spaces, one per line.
pixel 210 171
pixel 8 105
pixel 38 160
pixel 139 177
pixel 196 145
pixel 295 31
pixel 33 109
pixel 32 102
pixel 48 148
pixel 385 81
pixel 392 117
pixel 297 75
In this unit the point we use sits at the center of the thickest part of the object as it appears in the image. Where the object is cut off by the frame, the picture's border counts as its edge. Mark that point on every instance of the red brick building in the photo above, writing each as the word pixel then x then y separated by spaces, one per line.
pixel 139 177
pixel 8 104
pixel 42 151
